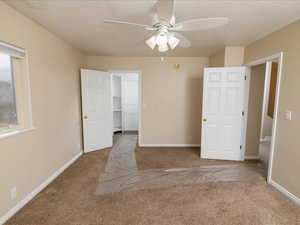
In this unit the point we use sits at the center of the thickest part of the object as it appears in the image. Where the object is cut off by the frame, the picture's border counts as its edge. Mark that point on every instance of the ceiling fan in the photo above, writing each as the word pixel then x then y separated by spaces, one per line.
pixel 166 28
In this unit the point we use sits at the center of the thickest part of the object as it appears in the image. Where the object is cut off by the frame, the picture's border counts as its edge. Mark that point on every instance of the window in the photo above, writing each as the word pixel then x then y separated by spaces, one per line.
pixel 8 106
pixel 15 110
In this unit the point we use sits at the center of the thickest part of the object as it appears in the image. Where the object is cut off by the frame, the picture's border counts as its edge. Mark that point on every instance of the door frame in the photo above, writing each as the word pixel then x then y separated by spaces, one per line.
pixel 139 72
pixel 279 57
pixel 246 103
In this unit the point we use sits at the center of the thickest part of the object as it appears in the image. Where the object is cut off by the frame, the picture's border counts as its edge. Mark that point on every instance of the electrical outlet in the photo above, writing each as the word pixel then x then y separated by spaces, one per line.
pixel 13 193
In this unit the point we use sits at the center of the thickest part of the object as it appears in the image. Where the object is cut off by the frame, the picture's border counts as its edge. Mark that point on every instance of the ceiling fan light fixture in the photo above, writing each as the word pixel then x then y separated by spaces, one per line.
pixel 163 48
pixel 151 42
pixel 173 41
pixel 161 39
pixel 164 25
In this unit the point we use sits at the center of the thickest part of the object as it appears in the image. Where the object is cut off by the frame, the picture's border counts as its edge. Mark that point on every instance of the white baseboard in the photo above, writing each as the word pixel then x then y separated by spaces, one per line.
pixel 37 190
pixel 251 157
pixel 291 196
pixel 169 145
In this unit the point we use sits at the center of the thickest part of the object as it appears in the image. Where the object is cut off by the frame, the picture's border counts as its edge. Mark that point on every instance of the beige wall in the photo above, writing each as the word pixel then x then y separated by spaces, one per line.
pixel 28 159
pixel 172 98
pixel 286 164
pixel 228 56
pixel 234 56
pixel 218 59
pixel 255 106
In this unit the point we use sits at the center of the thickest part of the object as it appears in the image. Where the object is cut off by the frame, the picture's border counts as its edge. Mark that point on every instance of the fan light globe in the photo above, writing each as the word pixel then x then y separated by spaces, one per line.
pixel 161 39
pixel 151 42
pixel 163 48
pixel 173 41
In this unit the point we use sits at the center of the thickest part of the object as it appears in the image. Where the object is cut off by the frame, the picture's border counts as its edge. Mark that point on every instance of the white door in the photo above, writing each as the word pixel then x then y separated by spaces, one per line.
pixel 96 110
pixel 223 113
pixel 130 102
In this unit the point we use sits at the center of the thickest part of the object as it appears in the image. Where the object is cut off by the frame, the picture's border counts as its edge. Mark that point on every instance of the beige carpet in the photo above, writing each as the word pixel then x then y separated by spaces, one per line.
pixel 71 200
pixel 156 158
pixel 122 174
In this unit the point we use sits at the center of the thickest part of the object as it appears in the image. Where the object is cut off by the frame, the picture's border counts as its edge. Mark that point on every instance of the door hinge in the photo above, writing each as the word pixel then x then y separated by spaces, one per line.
pixel 245 77
pixel 243 113
pixel 240 147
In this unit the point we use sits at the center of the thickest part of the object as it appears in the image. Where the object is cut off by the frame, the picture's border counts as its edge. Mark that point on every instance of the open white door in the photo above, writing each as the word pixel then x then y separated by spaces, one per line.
pixel 96 110
pixel 223 113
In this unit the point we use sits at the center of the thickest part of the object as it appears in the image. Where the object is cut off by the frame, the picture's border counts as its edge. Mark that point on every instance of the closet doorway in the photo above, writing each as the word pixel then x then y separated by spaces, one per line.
pixel 126 92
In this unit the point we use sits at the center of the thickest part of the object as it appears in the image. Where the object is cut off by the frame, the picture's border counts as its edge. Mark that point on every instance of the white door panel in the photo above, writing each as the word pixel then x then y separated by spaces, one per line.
pixel 223 105
pixel 96 110
pixel 130 100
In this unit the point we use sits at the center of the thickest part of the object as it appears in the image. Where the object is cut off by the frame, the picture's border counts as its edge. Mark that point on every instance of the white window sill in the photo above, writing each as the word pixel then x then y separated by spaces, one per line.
pixel 15 132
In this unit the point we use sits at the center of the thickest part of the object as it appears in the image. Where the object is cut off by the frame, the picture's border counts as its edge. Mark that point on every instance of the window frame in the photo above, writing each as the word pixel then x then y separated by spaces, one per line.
pixel 22 91
pixel 12 126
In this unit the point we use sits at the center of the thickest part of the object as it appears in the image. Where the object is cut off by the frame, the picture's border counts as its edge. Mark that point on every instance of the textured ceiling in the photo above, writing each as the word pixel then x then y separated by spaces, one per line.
pixel 80 22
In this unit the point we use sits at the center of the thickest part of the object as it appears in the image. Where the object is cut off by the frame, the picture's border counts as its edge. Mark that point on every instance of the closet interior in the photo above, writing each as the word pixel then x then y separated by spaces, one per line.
pixel 125 101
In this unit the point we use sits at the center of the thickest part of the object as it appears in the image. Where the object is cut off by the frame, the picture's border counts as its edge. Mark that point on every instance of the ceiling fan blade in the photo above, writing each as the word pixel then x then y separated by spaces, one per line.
pixel 127 23
pixel 155 18
pixel 173 20
pixel 165 9
pixel 200 24
pixel 184 42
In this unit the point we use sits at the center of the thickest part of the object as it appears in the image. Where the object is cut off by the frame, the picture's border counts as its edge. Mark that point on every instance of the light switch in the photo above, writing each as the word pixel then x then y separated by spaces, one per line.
pixel 288 115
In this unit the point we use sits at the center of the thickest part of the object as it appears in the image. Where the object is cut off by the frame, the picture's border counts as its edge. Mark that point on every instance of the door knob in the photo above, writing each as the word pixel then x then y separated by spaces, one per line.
pixel 85 117
pixel 204 120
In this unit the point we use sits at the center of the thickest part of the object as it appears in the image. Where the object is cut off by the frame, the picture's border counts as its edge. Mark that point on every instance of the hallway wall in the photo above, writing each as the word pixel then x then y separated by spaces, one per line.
pixel 256 94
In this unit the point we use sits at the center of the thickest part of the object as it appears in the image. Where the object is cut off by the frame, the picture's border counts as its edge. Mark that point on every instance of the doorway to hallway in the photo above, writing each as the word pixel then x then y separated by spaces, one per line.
pixel 266 134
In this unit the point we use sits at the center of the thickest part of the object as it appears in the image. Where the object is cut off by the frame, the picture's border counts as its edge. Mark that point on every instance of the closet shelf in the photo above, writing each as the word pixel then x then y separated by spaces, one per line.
pixel 117 110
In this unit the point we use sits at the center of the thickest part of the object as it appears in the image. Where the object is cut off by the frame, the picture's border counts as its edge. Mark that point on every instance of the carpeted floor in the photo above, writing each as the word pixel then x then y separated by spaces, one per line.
pixel 71 200
pixel 156 158
pixel 122 174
